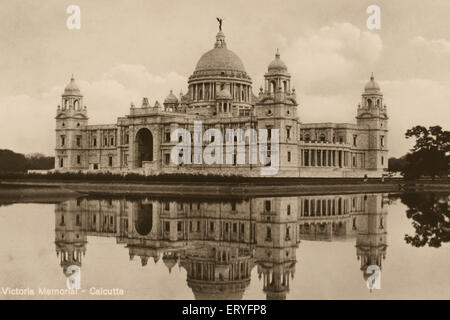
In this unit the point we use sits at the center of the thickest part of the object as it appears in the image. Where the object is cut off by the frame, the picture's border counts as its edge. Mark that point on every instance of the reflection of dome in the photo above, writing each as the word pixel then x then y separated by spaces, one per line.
pixel 281 295
pixel 171 98
pixel 72 88
pixel 277 65
pixel 170 260
pixel 224 95
pixel 220 58
pixel 372 85
pixel 144 260
pixel 217 290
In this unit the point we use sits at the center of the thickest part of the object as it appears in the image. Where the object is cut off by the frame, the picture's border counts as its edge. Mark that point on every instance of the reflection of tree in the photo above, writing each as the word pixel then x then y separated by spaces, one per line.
pixel 431 218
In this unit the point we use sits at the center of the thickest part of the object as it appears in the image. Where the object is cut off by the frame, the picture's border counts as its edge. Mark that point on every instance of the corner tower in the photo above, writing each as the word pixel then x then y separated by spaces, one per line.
pixel 71 121
pixel 373 120
pixel 276 108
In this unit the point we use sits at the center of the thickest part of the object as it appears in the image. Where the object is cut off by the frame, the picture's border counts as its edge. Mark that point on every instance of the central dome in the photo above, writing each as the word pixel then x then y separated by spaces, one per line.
pixel 220 58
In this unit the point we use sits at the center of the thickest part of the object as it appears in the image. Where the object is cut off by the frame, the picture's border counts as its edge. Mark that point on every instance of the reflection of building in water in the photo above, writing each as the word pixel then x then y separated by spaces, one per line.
pixel 278 239
pixel 70 235
pixel 371 241
pixel 336 217
pixel 219 243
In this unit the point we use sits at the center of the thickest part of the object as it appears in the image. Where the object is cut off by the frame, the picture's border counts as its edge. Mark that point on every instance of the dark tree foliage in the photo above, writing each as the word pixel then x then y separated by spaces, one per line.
pixel 17 162
pixel 430 218
pixel 397 164
pixel 430 155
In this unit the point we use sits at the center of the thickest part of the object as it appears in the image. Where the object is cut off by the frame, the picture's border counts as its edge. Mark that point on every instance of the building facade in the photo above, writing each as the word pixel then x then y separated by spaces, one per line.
pixel 220 95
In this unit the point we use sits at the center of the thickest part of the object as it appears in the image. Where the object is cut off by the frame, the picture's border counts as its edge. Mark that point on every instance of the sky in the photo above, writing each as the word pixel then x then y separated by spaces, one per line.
pixel 126 50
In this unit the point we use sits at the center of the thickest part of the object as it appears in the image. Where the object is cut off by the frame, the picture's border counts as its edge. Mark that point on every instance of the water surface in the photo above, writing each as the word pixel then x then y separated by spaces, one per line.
pixel 303 247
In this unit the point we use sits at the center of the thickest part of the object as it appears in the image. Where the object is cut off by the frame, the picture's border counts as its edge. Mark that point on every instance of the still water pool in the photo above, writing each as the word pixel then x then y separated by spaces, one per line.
pixel 302 247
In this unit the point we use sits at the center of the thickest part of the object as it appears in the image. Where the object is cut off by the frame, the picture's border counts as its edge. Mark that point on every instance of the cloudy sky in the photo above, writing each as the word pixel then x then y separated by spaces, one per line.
pixel 129 49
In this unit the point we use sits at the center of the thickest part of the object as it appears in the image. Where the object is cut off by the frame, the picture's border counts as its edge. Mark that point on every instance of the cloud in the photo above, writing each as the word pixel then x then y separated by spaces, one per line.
pixel 28 122
pixel 328 60
pixel 412 102
pixel 435 45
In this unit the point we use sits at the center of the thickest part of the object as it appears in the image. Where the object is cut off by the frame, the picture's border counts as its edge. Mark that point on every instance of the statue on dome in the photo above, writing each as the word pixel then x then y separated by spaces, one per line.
pixel 220 23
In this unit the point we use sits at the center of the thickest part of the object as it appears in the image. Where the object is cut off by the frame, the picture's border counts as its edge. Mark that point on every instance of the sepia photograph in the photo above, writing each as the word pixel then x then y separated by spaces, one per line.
pixel 234 151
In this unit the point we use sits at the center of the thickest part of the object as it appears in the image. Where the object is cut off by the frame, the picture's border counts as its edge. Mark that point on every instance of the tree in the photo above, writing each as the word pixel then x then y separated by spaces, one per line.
pixel 397 164
pixel 431 218
pixel 430 154
pixel 17 162
pixel 12 162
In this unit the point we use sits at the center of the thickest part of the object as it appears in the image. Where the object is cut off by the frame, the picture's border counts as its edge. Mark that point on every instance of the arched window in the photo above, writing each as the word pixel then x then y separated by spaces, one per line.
pixel 307 138
pixel 284 86
pixel 322 138
pixel 272 86
pixel 369 102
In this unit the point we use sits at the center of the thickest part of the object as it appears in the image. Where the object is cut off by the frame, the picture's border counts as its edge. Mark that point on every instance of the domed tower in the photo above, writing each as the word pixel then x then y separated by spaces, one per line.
pixel 276 108
pixel 171 102
pixel 371 243
pixel 372 116
pixel 70 236
pixel 217 70
pixel 71 121
pixel 277 78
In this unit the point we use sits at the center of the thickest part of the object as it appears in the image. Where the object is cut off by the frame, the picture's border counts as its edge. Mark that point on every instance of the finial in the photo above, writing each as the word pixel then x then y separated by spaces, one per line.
pixel 72 78
pixel 372 77
pixel 277 55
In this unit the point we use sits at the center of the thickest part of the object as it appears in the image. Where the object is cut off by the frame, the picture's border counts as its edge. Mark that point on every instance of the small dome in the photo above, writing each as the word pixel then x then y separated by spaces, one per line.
pixel 171 98
pixel 72 88
pixel 170 261
pixel 277 65
pixel 224 94
pixel 372 85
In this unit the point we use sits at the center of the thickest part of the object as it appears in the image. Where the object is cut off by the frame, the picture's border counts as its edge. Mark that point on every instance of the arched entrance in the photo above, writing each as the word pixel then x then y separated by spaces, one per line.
pixel 144 146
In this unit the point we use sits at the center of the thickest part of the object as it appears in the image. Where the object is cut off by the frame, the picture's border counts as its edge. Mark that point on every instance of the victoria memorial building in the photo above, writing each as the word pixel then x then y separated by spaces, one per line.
pixel 220 95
